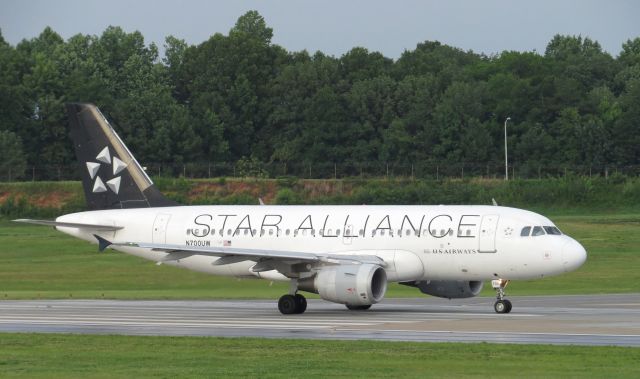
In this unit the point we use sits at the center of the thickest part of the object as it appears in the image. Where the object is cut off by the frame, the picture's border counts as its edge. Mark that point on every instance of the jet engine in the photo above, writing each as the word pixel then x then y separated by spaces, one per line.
pixel 450 289
pixel 362 284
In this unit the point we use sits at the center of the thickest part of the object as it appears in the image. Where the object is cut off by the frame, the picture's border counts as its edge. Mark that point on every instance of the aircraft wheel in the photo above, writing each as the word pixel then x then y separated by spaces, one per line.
pixel 358 307
pixel 301 303
pixel 502 306
pixel 287 305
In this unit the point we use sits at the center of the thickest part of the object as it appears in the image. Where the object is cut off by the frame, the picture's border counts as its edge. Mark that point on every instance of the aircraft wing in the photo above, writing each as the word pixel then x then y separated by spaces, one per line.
pixel 183 251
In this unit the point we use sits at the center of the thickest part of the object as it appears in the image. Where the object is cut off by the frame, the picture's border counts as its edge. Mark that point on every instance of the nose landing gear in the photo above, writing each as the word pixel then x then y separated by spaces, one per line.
pixel 501 305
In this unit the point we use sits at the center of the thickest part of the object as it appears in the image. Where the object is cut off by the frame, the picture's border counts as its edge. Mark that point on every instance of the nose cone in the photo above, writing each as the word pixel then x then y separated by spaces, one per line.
pixel 573 255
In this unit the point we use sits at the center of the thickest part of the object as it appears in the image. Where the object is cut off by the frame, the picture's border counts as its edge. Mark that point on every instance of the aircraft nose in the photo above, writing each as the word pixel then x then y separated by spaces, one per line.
pixel 573 255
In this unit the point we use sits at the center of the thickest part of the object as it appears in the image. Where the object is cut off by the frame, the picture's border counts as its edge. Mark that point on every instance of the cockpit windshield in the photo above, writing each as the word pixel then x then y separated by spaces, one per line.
pixel 552 230
pixel 535 231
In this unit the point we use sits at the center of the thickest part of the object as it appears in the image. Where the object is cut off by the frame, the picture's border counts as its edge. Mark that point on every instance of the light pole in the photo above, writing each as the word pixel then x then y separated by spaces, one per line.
pixel 506 162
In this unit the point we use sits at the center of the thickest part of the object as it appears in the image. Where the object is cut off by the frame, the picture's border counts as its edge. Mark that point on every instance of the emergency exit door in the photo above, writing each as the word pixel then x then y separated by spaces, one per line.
pixel 160 228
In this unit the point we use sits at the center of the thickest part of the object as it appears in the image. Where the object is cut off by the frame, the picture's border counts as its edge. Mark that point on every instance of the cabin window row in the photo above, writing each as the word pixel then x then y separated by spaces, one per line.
pixel 338 232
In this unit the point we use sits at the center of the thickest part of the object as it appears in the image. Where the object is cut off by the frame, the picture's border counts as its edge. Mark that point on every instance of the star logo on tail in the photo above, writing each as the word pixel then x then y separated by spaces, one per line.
pixel 104 157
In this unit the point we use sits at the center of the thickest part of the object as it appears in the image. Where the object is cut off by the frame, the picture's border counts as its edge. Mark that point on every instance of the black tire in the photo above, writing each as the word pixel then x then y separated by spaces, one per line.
pixel 301 303
pixel 509 306
pixel 500 306
pixel 287 305
pixel 358 307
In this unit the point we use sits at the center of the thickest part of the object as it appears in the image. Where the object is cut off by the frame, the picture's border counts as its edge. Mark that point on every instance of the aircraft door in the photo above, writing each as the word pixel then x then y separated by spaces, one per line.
pixel 160 228
pixel 488 228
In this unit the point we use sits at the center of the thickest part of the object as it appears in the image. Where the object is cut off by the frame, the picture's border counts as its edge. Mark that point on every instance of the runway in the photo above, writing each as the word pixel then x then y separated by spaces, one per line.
pixel 580 320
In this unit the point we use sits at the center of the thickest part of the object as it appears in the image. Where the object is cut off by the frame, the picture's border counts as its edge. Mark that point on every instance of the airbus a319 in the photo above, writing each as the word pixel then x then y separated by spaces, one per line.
pixel 346 254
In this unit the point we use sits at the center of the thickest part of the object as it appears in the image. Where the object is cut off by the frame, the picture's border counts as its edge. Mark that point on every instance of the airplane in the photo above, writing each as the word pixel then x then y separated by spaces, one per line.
pixel 346 254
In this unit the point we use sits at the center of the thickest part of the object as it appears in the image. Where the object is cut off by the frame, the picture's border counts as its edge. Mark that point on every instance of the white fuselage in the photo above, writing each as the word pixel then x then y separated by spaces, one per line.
pixel 416 242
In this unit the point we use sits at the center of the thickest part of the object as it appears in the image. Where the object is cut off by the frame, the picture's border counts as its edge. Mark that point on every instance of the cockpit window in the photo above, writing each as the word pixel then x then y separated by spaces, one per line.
pixel 537 231
pixel 525 231
pixel 552 230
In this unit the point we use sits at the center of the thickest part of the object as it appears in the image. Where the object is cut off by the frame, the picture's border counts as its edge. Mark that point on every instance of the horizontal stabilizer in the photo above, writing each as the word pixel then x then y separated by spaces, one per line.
pixel 70 224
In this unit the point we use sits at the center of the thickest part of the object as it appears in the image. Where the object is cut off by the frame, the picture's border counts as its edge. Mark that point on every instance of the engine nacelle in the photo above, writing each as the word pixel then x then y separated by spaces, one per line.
pixel 362 284
pixel 450 289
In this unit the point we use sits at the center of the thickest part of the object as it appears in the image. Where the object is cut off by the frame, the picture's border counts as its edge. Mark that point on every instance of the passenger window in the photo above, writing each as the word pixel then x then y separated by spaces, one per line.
pixel 525 231
pixel 382 232
pixel 537 231
pixel 337 232
pixel 361 233
pixel 552 230
pixel 287 232
pixel 270 232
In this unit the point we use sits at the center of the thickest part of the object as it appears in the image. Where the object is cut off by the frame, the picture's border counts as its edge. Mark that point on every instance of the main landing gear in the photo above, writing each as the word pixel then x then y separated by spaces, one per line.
pixel 292 304
pixel 501 305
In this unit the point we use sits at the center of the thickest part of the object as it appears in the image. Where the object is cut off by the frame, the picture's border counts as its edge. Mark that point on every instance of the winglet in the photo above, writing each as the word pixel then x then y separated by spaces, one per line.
pixel 260 201
pixel 494 202
pixel 102 243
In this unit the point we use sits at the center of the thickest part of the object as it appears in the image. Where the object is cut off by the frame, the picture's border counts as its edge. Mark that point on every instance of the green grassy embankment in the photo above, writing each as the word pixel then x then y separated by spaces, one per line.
pixel 559 196
pixel 87 356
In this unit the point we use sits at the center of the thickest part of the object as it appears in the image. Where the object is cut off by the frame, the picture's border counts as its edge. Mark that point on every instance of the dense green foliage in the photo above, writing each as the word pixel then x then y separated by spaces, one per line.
pixel 240 97
pixel 91 356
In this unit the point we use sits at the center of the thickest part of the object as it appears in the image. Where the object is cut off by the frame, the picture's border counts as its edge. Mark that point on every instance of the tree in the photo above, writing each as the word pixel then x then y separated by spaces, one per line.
pixel 12 159
pixel 254 25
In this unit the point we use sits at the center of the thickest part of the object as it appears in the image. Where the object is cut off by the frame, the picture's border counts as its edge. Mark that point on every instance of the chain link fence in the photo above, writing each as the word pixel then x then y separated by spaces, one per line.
pixel 252 169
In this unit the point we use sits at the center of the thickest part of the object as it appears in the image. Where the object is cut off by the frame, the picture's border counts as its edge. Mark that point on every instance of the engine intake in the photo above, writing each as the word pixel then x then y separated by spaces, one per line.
pixel 363 284
pixel 450 289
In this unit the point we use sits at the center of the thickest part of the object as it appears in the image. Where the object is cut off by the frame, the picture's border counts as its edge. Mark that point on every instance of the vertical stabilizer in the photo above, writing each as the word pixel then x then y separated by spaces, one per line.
pixel 111 176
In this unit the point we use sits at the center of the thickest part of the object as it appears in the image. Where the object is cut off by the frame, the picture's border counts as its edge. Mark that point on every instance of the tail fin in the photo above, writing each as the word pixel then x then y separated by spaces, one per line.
pixel 111 176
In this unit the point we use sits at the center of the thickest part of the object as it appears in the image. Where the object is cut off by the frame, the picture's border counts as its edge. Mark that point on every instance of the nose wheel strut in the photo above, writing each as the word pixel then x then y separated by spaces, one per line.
pixel 501 305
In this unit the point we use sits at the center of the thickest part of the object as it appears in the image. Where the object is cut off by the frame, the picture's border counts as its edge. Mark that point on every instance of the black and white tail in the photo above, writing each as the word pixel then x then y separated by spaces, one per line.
pixel 111 176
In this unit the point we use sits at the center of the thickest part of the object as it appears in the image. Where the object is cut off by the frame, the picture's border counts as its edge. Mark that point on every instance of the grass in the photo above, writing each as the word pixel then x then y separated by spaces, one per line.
pixel 94 356
pixel 38 262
